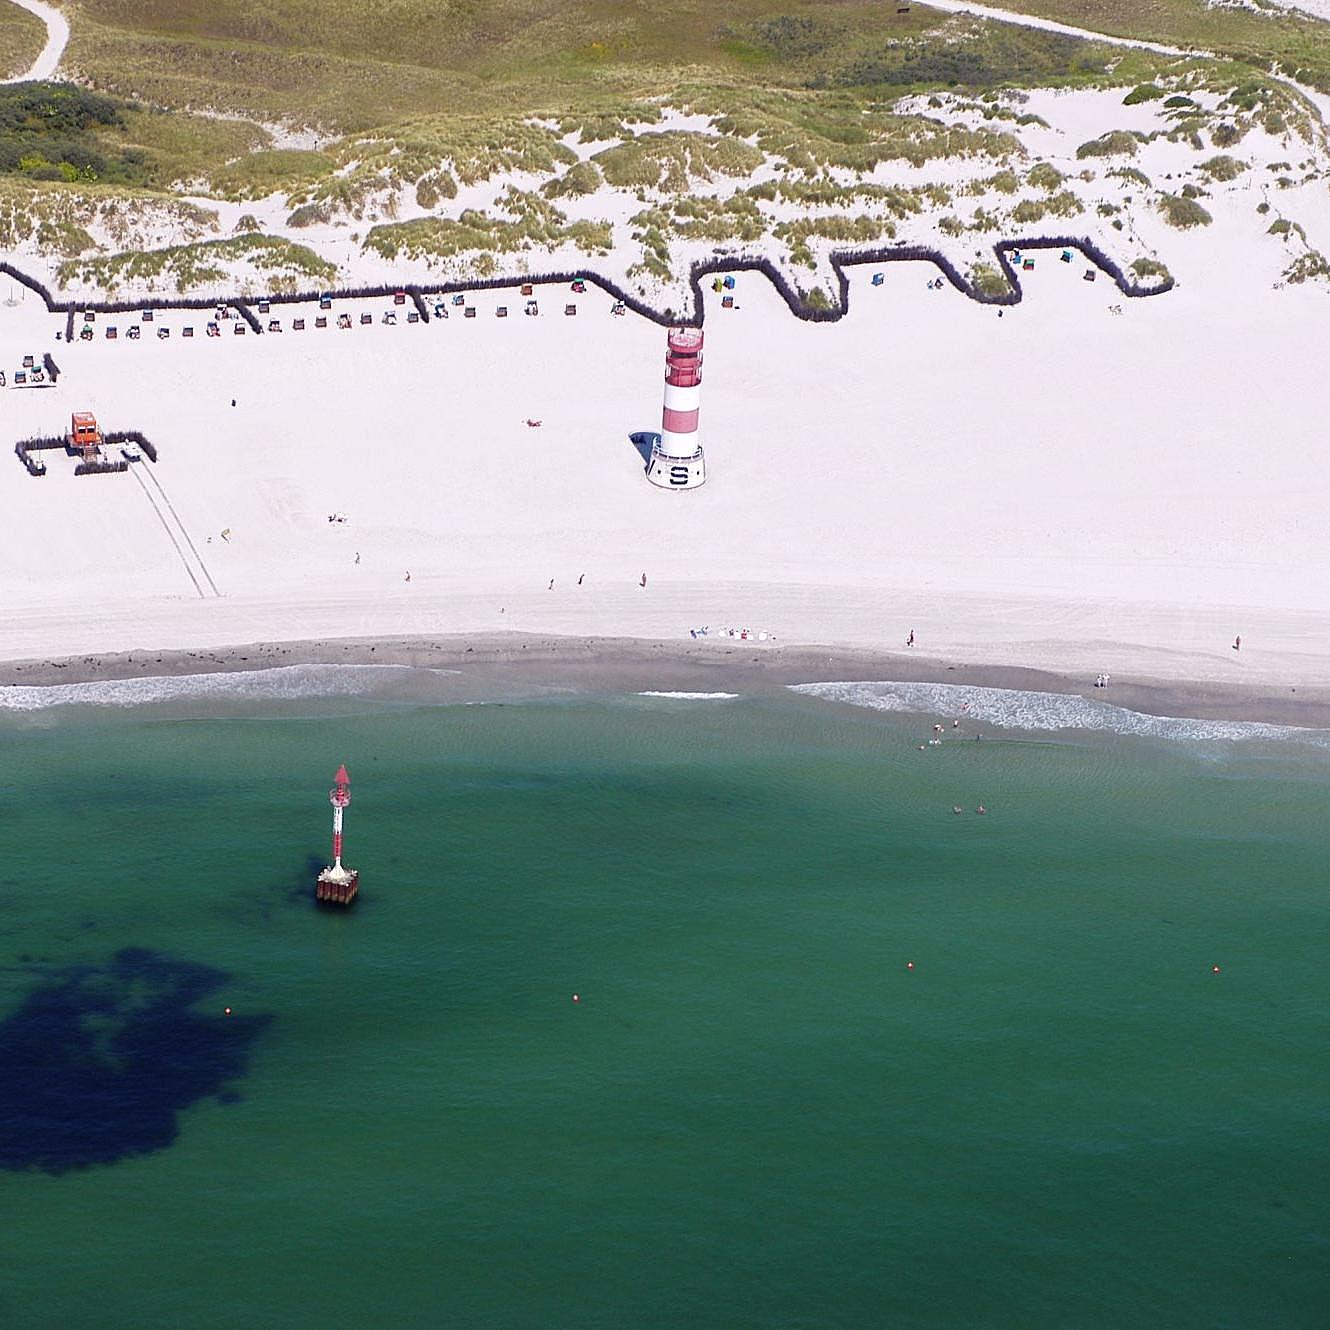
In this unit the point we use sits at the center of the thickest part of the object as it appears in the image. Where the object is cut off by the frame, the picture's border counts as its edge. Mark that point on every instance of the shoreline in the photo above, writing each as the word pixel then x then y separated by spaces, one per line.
pixel 633 664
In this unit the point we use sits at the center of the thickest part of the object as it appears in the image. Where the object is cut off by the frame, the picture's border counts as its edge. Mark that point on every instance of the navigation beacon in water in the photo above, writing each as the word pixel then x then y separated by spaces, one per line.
pixel 338 885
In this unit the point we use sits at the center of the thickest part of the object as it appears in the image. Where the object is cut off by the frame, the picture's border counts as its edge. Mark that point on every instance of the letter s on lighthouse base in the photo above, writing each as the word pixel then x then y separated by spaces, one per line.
pixel 672 472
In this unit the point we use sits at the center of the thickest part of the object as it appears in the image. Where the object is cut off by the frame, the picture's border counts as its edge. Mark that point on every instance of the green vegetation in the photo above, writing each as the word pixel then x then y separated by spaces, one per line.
pixel 1045 176
pixel 672 161
pixel 22 36
pixel 988 280
pixel 584 178
pixel 187 267
pixel 1307 267
pixel 533 223
pixel 848 230
pixel 1182 213
pixel 1131 174
pixel 1115 143
pixel 1223 168
pixel 1064 204
pixel 1262 37
pixel 1143 92
pixel 1150 268
pixel 259 174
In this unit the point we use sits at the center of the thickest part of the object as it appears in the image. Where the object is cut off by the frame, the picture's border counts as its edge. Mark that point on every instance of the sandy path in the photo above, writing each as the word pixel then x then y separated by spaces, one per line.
pixel 57 38
pixel 1318 8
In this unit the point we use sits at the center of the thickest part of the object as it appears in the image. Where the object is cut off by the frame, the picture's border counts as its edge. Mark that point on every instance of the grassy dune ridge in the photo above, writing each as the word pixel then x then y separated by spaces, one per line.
pixel 22 36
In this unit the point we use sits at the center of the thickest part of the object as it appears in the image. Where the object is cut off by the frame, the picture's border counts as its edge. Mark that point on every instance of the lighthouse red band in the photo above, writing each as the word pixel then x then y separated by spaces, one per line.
pixel 683 393
pixel 339 796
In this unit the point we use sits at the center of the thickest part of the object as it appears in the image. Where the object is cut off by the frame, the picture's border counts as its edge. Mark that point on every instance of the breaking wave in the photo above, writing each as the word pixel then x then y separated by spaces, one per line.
pixel 1018 709
pixel 280 683
pixel 693 697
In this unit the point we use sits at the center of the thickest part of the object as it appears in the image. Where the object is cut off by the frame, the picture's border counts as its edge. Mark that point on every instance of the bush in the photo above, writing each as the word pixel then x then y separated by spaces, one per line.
pixel 1143 92
pixel 1149 268
pixel 1182 213
pixel 1223 167
pixel 1116 143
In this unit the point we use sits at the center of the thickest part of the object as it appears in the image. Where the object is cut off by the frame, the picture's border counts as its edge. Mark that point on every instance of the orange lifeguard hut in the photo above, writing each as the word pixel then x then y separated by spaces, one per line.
pixel 84 437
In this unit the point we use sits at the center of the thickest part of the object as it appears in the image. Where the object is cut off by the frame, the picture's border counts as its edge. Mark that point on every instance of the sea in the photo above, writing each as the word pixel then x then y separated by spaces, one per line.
pixel 658 1010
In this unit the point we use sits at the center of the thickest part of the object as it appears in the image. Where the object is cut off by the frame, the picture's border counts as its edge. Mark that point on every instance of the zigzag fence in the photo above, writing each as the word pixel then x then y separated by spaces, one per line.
pixel 794 298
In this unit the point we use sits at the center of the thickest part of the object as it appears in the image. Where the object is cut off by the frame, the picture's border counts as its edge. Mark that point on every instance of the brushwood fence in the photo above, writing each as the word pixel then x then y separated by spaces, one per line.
pixel 794 297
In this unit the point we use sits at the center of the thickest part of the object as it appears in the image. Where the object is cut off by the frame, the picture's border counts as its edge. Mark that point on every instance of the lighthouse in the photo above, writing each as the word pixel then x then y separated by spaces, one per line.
pixel 337 884
pixel 676 452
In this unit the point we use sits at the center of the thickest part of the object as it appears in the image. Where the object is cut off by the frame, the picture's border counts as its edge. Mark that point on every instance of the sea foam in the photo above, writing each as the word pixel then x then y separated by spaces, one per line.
pixel 1019 709
pixel 280 683
pixel 693 697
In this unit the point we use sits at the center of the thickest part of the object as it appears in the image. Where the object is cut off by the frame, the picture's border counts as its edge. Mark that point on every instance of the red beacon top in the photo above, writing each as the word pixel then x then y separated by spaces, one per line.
pixel 341 795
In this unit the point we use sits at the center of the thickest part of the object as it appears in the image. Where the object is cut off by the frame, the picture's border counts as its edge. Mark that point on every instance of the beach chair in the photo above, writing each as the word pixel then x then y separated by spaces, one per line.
pixel 29 361
pixel 459 299
pixel 325 302
pixel 501 312
pixel 413 316
pixel 263 306
pixel 274 325
pixel 531 308
pixel 399 297
pixel 729 283
pixel 579 286
pixel 86 334
pixel 214 330
pixel 527 289
pixel 147 316
pixel 717 286
pixel 1089 275
pixel 133 332
pixel 1066 256
pixel 240 329
pixel 162 333
pixel 366 320
pixel 297 325
pixel 469 312
pixel 619 308
pixel 343 320
pixel 1028 265
pixel 440 310
pixel 878 279
pixel 390 318
pixel 111 333
pixel 727 302
pixel 570 310
pixel 187 331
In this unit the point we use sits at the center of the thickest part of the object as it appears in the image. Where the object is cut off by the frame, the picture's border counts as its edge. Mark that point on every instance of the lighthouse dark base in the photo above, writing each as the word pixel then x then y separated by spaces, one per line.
pixel 337 886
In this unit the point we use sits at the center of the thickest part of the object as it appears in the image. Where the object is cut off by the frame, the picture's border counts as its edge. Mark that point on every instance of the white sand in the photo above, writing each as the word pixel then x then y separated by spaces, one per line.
pixel 1061 487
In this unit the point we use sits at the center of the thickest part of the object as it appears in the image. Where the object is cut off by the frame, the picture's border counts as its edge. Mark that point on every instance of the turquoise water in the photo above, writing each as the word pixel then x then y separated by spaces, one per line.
pixel 756 1115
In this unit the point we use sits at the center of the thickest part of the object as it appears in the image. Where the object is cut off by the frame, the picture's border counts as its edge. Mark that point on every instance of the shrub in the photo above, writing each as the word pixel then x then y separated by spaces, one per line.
pixel 988 281
pixel 1149 268
pixel 1182 213
pixel 1223 167
pixel 1115 143
pixel 1143 92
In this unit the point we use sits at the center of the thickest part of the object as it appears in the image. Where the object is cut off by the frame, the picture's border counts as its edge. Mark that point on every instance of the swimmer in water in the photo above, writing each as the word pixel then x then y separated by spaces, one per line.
pixel 981 809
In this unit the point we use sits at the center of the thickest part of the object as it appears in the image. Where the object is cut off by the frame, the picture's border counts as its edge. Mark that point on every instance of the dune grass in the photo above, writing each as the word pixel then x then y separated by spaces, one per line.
pixel 22 36
pixel 1263 37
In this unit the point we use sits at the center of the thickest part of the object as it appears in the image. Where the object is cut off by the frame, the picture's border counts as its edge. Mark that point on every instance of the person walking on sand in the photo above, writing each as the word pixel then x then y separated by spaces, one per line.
pixel 551 585
pixel 644 580
pixel 1237 644
pixel 408 577
pixel 357 556
pixel 579 579
pixel 909 641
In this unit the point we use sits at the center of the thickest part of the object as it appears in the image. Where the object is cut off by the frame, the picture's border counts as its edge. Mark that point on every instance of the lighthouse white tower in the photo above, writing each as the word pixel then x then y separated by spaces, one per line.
pixel 676 452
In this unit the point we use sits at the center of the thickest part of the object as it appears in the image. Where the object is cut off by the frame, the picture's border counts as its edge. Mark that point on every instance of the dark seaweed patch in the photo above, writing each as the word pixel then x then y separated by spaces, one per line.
pixel 98 1062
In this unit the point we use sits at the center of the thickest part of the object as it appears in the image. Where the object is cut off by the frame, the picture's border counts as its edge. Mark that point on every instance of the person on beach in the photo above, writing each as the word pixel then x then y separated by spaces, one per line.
pixel 909 641
pixel 579 578
pixel 551 585
pixel 408 577
pixel 357 556
pixel 1237 644
pixel 644 580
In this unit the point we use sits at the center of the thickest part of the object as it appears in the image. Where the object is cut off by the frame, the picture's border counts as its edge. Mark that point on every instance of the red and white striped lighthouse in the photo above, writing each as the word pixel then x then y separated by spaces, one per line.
pixel 676 456
pixel 338 884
